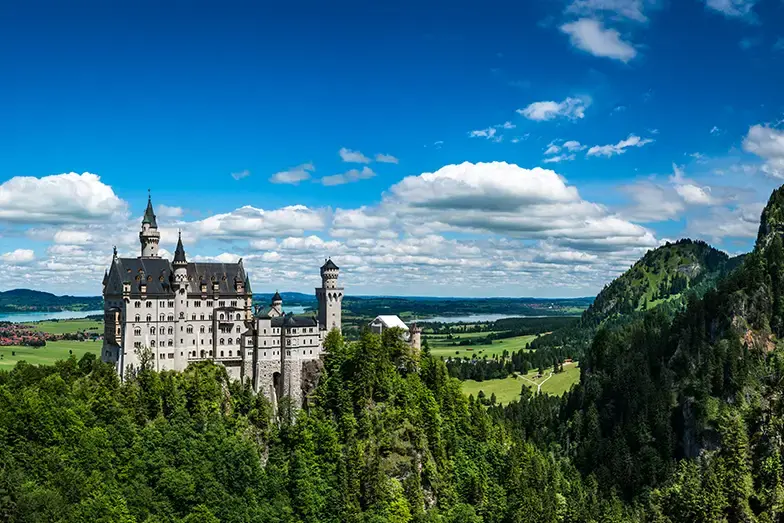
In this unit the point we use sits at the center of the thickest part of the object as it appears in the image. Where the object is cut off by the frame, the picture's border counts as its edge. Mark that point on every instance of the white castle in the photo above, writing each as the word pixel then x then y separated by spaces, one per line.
pixel 182 312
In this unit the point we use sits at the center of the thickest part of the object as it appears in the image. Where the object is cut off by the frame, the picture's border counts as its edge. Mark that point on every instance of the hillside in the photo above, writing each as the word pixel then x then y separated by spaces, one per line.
pixel 663 274
pixel 26 300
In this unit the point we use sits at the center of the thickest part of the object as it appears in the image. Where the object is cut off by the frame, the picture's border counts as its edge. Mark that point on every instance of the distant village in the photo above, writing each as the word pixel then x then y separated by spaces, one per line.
pixel 20 334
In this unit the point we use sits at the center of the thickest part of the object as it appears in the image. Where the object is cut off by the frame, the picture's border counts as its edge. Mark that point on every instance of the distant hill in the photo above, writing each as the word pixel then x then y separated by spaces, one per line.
pixel 662 275
pixel 27 300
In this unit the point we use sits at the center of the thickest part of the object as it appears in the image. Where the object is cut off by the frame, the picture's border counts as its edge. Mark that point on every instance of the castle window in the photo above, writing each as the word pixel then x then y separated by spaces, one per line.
pixel 222 341
pixel 138 318
pixel 265 353
pixel 237 318
pixel 209 303
pixel 171 355
pixel 311 329
pixel 210 353
pixel 171 343
pixel 288 353
pixel 201 317
pixel 152 343
pixel 170 317
pixel 311 352
pixel 137 304
pixel 197 303
pixel 239 342
pixel 288 341
pixel 265 342
pixel 202 354
pixel 238 329
pixel 265 331
pixel 170 330
pixel 229 354
pixel 202 341
pixel 193 342
pixel 221 304
pixel 152 330
pixel 294 331
pixel 193 317
pixel 171 304
pixel 209 329
pixel 162 317
pixel 201 329
pixel 182 315
pixel 149 317
pixel 210 317
pixel 229 341
pixel 137 331
pixel 221 354
pixel 189 330
pixel 233 303
pixel 149 304
pixel 137 345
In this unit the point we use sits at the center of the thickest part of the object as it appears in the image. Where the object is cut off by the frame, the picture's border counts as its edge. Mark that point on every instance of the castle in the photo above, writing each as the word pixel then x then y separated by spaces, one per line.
pixel 180 312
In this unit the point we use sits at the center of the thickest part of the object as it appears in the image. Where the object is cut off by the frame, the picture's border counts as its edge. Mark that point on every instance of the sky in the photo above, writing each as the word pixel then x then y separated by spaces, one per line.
pixel 526 148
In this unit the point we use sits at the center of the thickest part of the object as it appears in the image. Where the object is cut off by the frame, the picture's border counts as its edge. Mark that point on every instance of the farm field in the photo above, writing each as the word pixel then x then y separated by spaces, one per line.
pixel 441 346
pixel 53 351
pixel 66 326
pixel 508 389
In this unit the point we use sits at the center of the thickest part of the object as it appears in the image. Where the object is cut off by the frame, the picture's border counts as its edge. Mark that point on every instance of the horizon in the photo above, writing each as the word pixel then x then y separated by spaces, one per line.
pixel 432 151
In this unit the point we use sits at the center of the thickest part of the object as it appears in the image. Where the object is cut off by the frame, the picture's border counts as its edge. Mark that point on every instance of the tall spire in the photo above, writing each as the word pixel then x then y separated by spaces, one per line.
pixel 149 214
pixel 179 252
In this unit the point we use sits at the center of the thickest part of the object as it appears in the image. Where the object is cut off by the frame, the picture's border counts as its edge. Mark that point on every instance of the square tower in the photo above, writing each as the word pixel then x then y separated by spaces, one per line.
pixel 330 297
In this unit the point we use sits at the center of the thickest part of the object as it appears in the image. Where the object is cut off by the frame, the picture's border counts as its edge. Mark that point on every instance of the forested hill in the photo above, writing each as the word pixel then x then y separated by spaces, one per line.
pixel 663 274
pixel 26 300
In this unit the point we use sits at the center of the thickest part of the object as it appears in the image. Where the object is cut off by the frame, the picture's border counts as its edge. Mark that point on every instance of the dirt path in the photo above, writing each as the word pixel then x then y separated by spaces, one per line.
pixel 539 385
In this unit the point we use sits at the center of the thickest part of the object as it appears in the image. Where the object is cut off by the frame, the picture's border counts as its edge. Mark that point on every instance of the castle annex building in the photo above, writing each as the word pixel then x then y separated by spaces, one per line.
pixel 180 312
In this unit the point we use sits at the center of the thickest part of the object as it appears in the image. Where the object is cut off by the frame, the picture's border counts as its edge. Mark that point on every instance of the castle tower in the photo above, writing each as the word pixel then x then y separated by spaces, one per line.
pixel 330 297
pixel 149 235
pixel 179 285
pixel 415 336
pixel 277 305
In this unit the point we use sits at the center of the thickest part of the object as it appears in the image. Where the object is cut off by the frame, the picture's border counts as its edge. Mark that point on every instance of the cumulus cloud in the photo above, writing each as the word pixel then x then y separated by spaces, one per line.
pixel 591 36
pixel 689 191
pixel 767 143
pixel 349 156
pixel 618 148
pixel 489 133
pixel 294 175
pixel 386 158
pixel 740 222
pixel 250 222
pixel 166 211
pixel 353 175
pixel 571 108
pixel 18 257
pixel 70 237
pixel 569 147
pixel 59 198
pixel 623 9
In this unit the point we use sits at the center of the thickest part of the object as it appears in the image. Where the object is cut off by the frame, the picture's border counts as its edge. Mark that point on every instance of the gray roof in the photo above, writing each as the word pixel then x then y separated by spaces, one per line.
pixel 157 273
pixel 290 320
pixel 329 264
pixel 149 215
pixel 179 252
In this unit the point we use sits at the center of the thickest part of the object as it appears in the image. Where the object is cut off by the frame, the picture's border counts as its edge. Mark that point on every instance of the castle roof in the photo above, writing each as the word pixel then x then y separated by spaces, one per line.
pixel 329 264
pixel 157 275
pixel 290 320
pixel 247 284
pixel 389 321
pixel 179 252
pixel 149 215
pixel 276 297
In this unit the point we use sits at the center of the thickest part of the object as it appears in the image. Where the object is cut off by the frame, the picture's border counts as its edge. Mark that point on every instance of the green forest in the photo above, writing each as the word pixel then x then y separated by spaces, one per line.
pixel 678 416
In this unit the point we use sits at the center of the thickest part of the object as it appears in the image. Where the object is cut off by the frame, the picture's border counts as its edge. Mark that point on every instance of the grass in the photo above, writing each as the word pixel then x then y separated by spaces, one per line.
pixel 67 326
pixel 440 346
pixel 508 389
pixel 53 351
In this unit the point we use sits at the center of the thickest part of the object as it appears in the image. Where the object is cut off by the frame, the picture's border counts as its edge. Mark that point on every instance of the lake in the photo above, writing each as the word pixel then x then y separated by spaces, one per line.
pixel 23 317
pixel 474 318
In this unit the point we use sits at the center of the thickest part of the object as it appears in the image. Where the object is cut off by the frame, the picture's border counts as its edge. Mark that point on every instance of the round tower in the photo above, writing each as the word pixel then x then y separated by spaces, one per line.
pixel 179 284
pixel 149 235
pixel 179 263
pixel 330 297
pixel 415 336
pixel 277 303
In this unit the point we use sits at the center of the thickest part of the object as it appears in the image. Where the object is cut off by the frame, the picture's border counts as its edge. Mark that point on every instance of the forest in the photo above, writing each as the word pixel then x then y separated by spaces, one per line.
pixel 677 417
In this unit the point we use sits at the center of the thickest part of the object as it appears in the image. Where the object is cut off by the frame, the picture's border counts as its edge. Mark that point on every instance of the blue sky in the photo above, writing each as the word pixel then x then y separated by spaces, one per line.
pixel 653 120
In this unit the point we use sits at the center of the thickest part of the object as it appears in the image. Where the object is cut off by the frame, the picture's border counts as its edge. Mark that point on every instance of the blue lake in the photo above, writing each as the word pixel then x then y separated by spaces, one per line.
pixel 19 317
pixel 474 318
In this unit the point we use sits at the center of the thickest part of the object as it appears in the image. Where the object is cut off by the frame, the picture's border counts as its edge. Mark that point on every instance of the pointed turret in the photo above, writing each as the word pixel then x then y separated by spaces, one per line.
pixel 247 285
pixel 149 235
pixel 179 252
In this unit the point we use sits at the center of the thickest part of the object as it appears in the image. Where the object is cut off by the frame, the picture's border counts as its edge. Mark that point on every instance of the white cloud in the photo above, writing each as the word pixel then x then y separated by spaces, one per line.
pixel 733 8
pixel 506 125
pixel 347 155
pixel 739 222
pixel 618 148
pixel 767 143
pixel 241 174
pixel 250 222
pixel 59 198
pixel 559 158
pixel 386 158
pixel 18 257
pixel 354 175
pixel 489 133
pixel 571 108
pixel 166 211
pixel 70 237
pixel 689 191
pixel 591 36
pixel 294 175
pixel 264 244
pixel 309 244
pixel 715 130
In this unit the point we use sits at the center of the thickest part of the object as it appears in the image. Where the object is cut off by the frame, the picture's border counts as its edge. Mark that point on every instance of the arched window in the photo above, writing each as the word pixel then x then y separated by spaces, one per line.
pixel 138 318
pixel 229 341
pixel 137 304
pixel 170 330
pixel 220 316
pixel 222 341
pixel 149 304
pixel 163 316
pixel 238 341
pixel 152 330
pixel 170 317
pixel 201 329
pixel 149 317
pixel 137 331
pixel 229 354
pixel 238 316
pixel 221 354
pixel 189 330
pixel 171 343
pixel 201 316
pixel 202 354
pixel 182 315
pixel 193 317
pixel 152 343
pixel 238 329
